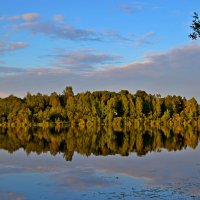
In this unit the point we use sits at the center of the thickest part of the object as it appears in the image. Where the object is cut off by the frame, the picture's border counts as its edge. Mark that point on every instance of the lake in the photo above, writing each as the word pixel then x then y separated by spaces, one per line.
pixel 101 163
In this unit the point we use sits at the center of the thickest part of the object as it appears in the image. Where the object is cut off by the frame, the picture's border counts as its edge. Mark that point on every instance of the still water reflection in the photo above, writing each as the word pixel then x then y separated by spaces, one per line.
pixel 101 164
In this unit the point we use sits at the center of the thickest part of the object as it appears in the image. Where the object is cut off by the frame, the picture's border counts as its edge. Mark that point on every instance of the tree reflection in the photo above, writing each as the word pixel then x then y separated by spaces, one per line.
pixel 98 141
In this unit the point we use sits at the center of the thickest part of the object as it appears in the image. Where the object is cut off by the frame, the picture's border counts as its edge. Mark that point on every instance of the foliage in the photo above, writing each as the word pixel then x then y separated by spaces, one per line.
pixel 195 27
pixel 88 109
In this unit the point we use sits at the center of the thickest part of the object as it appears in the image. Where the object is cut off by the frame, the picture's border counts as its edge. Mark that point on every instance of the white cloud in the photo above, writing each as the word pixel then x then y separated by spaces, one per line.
pixel 14 18
pixel 11 46
pixel 147 38
pixel 2 18
pixel 59 18
pixel 30 16
pixel 113 35
pixel 131 8
pixel 62 31
pixel 85 60
pixel 58 28
pixel 8 70
pixel 173 72
pixel 24 17
pixel 17 45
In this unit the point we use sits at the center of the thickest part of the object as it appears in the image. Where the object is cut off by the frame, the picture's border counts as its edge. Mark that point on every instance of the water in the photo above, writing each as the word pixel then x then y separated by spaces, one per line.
pixel 33 165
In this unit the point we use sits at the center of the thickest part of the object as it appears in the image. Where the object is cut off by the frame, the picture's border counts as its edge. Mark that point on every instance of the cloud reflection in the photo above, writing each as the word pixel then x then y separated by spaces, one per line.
pixel 82 178
pixel 11 196
pixel 176 172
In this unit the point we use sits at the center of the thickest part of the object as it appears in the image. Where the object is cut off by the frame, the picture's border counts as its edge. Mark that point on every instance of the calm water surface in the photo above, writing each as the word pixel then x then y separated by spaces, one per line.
pixel 161 173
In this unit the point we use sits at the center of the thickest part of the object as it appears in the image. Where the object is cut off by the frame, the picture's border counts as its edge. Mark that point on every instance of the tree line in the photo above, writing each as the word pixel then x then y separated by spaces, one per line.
pixel 88 109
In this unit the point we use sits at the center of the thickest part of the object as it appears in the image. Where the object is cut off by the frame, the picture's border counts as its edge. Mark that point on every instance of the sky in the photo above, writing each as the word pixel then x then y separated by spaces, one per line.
pixel 46 45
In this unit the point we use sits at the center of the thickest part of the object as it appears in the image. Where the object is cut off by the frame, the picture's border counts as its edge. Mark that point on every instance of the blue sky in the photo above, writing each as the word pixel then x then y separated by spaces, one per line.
pixel 98 45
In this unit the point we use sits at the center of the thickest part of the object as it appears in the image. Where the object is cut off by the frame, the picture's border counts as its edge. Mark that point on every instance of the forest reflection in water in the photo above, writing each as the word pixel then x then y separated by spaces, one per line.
pixel 98 140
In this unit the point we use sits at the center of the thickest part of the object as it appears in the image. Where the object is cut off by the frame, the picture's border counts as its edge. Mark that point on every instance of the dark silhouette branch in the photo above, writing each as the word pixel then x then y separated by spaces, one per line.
pixel 195 27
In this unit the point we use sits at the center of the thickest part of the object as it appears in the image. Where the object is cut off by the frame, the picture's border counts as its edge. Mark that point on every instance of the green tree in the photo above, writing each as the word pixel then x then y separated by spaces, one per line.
pixel 125 103
pixel 195 27
pixel 71 108
pixel 67 92
pixel 54 100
